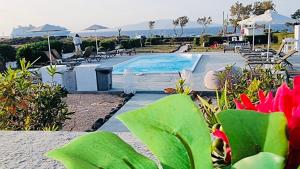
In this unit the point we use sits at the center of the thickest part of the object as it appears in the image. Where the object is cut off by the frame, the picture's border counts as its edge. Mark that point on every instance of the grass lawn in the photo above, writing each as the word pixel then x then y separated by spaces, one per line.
pixel 157 49
pixel 205 49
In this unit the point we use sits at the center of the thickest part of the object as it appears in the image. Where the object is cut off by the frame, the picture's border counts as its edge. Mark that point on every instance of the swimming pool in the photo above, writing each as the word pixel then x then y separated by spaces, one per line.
pixel 159 63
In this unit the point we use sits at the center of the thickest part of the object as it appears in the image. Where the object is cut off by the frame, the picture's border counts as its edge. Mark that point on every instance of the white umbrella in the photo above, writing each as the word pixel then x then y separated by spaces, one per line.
pixel 95 28
pixel 48 29
pixel 271 17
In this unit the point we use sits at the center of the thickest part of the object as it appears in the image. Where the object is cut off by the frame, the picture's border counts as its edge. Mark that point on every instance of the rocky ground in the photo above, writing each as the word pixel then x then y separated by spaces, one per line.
pixel 89 108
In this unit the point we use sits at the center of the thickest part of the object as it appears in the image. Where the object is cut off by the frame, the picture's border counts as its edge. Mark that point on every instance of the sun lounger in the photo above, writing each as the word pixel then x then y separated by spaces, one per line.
pixel 236 45
pixel 260 62
pixel 127 52
pixel 53 58
pixel 263 52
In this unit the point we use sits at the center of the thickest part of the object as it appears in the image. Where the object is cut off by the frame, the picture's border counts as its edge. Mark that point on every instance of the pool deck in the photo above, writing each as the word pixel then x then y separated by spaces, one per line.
pixel 136 102
pixel 159 81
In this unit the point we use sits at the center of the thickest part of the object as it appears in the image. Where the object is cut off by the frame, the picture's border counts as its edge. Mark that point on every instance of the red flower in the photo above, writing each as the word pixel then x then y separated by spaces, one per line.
pixel 287 101
pixel 220 134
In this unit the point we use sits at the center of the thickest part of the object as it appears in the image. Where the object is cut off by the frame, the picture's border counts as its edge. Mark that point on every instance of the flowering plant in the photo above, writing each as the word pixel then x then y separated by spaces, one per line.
pixel 286 100
pixel 176 132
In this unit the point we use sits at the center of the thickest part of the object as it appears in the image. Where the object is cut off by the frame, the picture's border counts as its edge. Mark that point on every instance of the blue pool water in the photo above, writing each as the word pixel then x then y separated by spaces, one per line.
pixel 159 63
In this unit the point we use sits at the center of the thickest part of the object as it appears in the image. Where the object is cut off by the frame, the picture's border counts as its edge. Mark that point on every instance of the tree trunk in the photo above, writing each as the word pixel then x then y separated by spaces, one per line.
pixel 175 31
pixel 181 31
pixel 235 29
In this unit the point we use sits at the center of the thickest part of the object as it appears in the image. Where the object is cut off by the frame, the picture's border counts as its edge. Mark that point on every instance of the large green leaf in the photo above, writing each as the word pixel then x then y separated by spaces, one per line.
pixel 175 131
pixel 263 160
pixel 100 150
pixel 251 132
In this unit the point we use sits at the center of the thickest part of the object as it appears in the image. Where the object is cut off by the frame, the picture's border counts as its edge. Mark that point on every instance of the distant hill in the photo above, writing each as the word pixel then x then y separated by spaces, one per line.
pixel 162 24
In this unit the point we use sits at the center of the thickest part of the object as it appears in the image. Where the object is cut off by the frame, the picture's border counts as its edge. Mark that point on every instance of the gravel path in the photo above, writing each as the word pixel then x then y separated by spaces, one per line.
pixel 88 108
pixel 26 149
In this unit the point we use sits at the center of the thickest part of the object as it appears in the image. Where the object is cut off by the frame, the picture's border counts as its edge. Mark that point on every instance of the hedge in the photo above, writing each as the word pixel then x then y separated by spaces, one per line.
pixel 33 51
pixel 7 53
pixel 107 45
pixel 132 43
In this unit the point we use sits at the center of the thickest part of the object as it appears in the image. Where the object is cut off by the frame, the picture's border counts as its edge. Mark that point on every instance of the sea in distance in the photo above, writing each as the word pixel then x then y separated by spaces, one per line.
pixel 188 32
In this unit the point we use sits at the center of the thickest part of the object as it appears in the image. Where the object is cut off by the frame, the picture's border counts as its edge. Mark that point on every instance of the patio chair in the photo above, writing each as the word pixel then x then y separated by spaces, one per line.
pixel 53 59
pixel 283 61
pixel 87 54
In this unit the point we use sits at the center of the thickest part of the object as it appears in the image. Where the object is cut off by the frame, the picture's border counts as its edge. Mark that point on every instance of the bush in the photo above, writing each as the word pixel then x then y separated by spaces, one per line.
pixel 136 43
pixel 107 45
pixel 211 40
pixel 131 43
pixel 196 41
pixel 7 53
pixel 30 106
pixel 68 47
pixel 33 51
pixel 87 43
pixel 258 39
pixel 154 41
pixel 125 44
pixel 278 37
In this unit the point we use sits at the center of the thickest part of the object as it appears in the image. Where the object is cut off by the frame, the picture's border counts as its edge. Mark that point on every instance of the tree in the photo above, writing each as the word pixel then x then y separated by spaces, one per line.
pixel 182 21
pixel 296 15
pixel 119 34
pixel 260 7
pixel 204 21
pixel 175 24
pixel 151 26
pixel 239 12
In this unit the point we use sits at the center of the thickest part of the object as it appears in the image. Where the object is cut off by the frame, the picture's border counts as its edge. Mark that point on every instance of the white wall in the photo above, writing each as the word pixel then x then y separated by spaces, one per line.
pixel 58 78
pixel 86 77
pixel 297 37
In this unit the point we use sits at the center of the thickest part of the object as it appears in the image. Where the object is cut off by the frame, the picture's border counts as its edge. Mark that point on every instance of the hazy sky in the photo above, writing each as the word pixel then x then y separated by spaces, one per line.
pixel 78 14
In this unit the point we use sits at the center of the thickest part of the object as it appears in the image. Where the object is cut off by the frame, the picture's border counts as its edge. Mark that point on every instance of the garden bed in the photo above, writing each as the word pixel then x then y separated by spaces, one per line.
pixel 91 110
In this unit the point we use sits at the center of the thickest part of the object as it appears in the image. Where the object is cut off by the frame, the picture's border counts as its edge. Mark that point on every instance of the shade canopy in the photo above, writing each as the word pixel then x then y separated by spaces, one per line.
pixel 48 28
pixel 248 21
pixel 95 27
pixel 269 17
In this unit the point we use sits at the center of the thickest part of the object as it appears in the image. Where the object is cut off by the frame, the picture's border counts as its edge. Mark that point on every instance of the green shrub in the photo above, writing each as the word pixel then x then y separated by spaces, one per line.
pixel 87 43
pixel 210 40
pixel 196 41
pixel 125 44
pixel 7 53
pixel 107 45
pixel 33 51
pixel 131 43
pixel 136 43
pixel 27 105
pixel 278 37
pixel 154 41
pixel 68 47
pixel 258 39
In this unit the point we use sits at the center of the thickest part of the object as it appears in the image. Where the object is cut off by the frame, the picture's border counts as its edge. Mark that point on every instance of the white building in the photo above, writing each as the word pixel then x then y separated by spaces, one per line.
pixel 247 30
pixel 26 31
